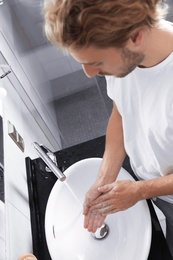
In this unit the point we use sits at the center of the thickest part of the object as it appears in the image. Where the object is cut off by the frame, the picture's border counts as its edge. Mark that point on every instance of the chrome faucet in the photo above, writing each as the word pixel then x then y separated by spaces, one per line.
pixel 50 160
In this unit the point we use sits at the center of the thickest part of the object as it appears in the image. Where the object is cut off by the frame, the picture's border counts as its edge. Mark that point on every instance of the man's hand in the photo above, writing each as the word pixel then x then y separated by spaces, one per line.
pixel 117 196
pixel 92 221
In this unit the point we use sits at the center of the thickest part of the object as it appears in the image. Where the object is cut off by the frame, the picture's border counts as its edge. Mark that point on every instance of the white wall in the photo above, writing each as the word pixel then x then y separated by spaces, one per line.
pixel 32 121
pixel 18 230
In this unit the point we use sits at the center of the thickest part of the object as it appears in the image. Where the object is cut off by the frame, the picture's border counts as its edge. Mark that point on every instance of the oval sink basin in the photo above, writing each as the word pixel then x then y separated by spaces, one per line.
pixel 129 236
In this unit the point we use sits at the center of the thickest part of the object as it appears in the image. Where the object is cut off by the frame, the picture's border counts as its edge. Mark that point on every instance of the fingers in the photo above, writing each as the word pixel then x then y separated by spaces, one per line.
pixel 104 211
pixel 87 220
pixel 98 222
pixel 104 200
pixel 92 225
pixel 93 221
pixel 90 196
pixel 85 209
pixel 104 208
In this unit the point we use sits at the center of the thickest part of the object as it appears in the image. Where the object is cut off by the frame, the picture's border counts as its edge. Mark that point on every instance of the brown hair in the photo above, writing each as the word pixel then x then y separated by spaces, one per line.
pixel 99 23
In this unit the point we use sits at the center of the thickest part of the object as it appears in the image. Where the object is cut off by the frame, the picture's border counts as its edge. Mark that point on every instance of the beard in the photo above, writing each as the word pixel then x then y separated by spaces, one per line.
pixel 130 60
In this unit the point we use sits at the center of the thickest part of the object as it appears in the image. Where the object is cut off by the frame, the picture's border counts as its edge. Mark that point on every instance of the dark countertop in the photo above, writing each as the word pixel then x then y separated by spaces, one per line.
pixel 41 182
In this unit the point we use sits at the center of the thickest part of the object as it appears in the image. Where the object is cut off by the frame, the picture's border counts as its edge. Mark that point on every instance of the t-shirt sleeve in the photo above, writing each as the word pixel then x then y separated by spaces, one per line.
pixel 113 90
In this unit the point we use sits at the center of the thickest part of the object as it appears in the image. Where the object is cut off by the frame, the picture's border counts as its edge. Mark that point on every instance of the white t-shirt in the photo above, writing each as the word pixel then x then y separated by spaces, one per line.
pixel 144 99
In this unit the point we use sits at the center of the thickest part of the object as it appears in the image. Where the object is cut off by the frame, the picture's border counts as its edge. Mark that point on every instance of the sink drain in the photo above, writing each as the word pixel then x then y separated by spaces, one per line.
pixel 101 232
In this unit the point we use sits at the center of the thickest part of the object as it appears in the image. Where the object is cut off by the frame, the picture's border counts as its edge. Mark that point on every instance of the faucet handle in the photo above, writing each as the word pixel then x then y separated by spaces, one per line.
pixel 47 158
pixel 50 154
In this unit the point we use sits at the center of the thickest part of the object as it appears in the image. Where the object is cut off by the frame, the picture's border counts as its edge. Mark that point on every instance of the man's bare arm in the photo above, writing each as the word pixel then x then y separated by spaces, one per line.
pixel 112 161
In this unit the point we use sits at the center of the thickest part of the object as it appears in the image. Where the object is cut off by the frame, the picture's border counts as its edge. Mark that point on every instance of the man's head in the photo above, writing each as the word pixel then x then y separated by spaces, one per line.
pixel 83 23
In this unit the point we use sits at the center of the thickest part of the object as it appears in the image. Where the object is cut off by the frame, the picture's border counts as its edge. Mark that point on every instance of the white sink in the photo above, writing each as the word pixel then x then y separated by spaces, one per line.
pixel 129 237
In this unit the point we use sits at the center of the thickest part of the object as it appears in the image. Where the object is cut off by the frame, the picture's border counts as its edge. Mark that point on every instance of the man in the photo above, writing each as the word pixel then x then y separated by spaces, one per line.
pixel 130 43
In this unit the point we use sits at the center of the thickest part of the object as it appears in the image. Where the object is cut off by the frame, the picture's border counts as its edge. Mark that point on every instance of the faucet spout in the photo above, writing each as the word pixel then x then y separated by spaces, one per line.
pixel 48 161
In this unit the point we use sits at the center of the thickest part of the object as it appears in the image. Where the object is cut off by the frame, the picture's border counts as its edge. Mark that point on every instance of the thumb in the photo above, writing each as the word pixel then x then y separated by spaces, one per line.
pixel 105 188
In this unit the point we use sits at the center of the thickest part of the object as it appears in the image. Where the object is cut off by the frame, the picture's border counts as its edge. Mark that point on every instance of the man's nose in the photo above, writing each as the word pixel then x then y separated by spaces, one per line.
pixel 90 70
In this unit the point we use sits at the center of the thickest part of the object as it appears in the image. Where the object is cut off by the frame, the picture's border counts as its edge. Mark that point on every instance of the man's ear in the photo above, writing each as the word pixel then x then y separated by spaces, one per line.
pixel 136 38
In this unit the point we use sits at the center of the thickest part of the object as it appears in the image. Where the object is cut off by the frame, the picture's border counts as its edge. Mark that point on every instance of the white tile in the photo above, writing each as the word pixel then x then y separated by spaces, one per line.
pixel 75 66
pixel 26 9
pixel 51 53
pixel 58 68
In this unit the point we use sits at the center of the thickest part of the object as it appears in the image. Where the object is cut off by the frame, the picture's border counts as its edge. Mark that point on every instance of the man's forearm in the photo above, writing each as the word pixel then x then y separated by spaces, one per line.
pixel 156 187
pixel 114 150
